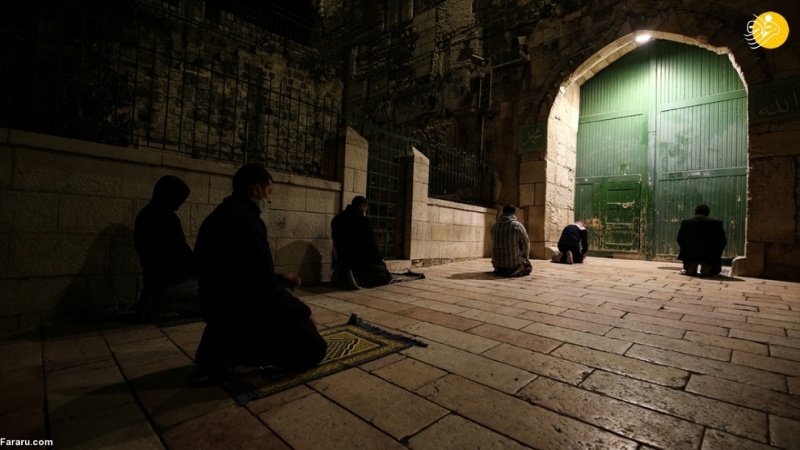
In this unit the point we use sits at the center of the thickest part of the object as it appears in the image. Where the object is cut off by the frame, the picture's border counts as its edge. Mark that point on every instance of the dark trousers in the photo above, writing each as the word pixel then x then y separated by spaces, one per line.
pixel 527 268
pixel 714 267
pixel 296 345
pixel 577 256
pixel 373 275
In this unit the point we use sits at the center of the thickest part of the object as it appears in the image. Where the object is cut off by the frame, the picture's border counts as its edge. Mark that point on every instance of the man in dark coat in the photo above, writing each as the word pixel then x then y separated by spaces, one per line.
pixel 702 240
pixel 251 316
pixel 573 244
pixel 168 266
pixel 360 261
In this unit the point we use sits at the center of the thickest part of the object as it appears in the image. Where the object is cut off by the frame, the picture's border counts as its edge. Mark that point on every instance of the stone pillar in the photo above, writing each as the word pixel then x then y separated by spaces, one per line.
pixel 351 167
pixel 417 233
pixel 532 184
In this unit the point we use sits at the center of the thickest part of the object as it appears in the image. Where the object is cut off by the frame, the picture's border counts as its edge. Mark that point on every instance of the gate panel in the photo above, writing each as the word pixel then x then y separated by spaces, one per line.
pixel 386 189
pixel 701 145
pixel 681 125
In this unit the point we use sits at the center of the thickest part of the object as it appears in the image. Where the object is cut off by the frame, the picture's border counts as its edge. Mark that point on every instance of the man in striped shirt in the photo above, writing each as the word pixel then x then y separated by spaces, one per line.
pixel 510 245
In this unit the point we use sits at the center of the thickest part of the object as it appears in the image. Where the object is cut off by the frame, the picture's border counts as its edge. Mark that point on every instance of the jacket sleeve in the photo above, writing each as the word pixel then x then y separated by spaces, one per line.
pixel 277 300
pixel 524 241
pixel 584 241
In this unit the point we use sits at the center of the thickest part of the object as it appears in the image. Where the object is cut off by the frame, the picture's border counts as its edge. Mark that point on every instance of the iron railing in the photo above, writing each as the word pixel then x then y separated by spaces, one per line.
pixel 133 73
pixel 457 175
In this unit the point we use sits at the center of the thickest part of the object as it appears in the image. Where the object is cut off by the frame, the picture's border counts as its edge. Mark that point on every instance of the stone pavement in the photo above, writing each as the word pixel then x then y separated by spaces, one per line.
pixel 608 354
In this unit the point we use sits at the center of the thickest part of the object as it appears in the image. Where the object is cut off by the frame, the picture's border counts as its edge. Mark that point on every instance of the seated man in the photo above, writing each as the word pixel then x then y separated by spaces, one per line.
pixel 360 262
pixel 702 241
pixel 168 266
pixel 573 244
pixel 251 316
pixel 510 245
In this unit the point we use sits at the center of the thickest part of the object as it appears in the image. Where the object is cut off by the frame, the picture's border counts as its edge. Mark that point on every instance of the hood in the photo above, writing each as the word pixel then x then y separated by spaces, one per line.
pixel 170 192
pixel 507 218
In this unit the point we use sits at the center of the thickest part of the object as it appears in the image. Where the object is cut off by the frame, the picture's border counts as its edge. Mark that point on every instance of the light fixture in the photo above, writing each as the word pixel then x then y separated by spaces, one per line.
pixel 562 89
pixel 521 40
pixel 479 60
pixel 642 38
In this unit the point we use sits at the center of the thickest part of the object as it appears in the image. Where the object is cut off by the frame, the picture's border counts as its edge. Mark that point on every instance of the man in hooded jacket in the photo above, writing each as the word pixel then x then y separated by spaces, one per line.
pixel 168 265
pixel 510 245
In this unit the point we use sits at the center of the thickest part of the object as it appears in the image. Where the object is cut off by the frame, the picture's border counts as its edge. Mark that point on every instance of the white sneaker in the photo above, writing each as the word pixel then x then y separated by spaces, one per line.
pixel 569 257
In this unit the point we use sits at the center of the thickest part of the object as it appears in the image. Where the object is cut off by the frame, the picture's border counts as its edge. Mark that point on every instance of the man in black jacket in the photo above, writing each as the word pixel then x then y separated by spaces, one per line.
pixel 360 261
pixel 252 318
pixel 573 244
pixel 702 241
pixel 168 266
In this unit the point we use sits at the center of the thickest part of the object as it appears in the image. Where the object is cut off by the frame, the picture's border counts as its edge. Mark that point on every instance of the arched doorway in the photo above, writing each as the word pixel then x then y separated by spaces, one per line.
pixel 660 129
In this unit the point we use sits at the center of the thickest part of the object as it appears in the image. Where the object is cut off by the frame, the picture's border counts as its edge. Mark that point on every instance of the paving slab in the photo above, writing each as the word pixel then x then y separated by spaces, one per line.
pixel 391 409
pixel 456 433
pixel 614 353
pixel 532 425
pixel 745 422
pixel 637 423
pixel 313 422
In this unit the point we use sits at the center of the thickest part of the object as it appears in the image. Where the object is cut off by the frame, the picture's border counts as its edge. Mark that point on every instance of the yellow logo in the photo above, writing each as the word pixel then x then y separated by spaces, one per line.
pixel 769 30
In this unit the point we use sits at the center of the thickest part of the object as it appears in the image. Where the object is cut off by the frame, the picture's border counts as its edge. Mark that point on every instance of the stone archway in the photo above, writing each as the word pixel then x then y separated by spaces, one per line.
pixel 557 188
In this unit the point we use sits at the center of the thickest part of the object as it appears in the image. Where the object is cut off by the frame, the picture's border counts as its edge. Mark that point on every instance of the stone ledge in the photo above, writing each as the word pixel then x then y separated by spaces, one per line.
pixel 75 146
pixel 461 206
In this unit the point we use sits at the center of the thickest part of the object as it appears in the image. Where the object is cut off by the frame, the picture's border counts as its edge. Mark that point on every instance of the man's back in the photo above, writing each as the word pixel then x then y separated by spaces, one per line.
pixel 701 238
pixel 354 239
pixel 510 244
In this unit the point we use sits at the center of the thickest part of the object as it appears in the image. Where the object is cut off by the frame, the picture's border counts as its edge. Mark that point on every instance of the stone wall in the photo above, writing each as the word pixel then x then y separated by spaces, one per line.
pixel 440 230
pixel 66 224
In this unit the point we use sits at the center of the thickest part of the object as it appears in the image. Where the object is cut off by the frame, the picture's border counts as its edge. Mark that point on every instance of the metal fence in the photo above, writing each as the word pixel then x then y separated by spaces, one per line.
pixel 457 175
pixel 128 73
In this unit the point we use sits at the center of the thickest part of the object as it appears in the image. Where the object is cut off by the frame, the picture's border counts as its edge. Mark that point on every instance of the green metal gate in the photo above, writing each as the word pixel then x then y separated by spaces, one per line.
pixel 661 130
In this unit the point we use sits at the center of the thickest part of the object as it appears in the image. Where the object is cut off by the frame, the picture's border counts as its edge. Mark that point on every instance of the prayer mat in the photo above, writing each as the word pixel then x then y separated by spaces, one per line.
pixel 349 345
pixel 406 276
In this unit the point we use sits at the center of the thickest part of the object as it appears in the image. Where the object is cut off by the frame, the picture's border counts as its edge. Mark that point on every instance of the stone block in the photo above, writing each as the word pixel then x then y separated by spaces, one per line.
pixel 527 195
pixel 532 172
pixel 56 255
pixel 421 174
pixel 360 182
pixel 6 165
pixel 446 215
pixel 288 198
pixel 356 157
pixel 28 212
pixel 297 225
pixel 440 231
pixel 540 192
pixel 33 295
pixel 420 230
pixel 219 187
pixel 771 189
pixel 348 182
pixel 420 212
pixel 83 214
pixel 419 192
pixel 326 202
pixel 38 170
